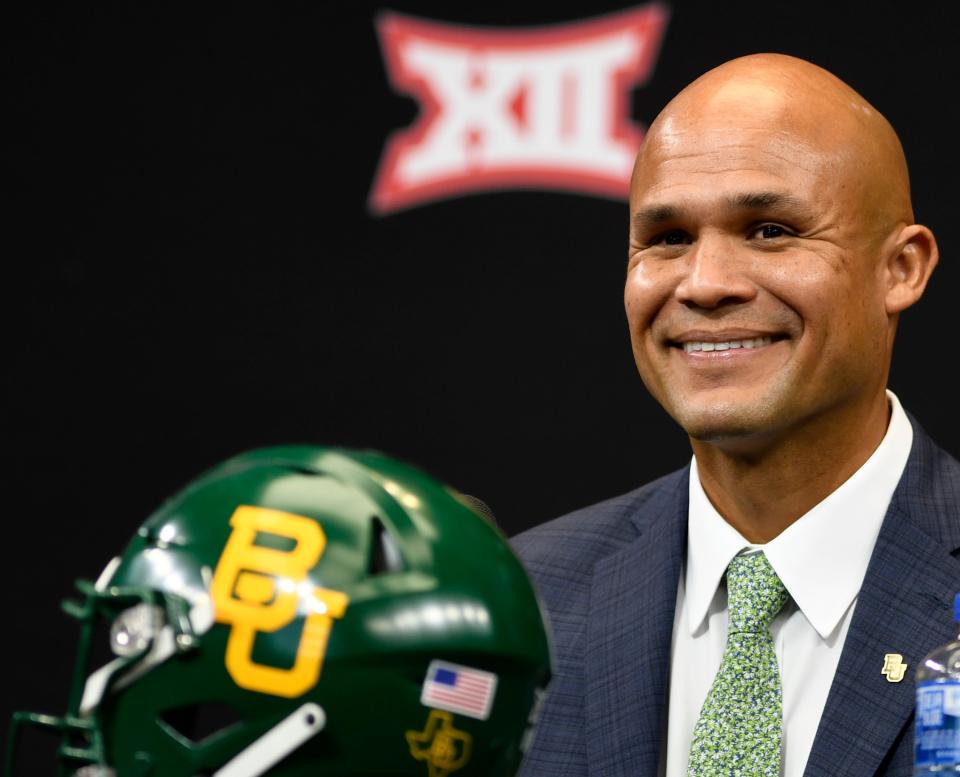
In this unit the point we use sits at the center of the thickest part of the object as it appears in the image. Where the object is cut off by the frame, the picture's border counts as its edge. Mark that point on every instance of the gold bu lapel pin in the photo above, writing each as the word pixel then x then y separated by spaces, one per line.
pixel 893 667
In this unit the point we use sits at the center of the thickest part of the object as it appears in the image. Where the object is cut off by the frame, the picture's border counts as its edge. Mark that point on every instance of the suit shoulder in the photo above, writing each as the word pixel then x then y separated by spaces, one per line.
pixel 929 489
pixel 579 539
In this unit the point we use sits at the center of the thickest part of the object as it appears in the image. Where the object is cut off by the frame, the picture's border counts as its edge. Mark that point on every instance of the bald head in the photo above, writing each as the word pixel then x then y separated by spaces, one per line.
pixel 772 248
pixel 803 110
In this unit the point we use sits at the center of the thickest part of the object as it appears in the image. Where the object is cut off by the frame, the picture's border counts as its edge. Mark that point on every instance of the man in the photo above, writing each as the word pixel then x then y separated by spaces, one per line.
pixel 772 249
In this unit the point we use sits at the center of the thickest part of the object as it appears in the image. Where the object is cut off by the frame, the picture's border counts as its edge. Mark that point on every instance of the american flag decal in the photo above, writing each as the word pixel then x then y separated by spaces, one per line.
pixel 459 689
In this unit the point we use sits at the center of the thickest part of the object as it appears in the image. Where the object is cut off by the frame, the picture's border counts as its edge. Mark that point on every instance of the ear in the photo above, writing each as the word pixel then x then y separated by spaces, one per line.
pixel 909 266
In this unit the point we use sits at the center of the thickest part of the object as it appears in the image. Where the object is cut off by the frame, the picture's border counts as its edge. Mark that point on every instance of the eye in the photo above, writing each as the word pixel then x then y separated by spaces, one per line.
pixel 674 237
pixel 769 231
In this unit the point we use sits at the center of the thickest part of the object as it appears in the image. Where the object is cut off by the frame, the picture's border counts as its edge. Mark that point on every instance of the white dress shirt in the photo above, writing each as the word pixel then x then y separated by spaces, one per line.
pixel 821 558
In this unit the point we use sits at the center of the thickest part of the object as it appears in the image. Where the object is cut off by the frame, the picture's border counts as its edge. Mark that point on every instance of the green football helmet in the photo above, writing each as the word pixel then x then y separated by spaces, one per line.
pixel 306 611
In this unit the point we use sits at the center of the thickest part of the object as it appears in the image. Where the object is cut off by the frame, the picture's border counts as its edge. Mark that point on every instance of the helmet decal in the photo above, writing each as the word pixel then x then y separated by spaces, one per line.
pixel 444 747
pixel 457 688
pixel 259 589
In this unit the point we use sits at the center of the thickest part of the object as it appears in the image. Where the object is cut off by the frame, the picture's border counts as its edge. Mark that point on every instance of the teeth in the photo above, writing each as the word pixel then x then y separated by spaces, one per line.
pixel 728 345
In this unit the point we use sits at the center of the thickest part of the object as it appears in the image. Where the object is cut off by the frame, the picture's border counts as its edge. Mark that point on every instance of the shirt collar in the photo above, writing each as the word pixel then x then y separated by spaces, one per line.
pixel 822 557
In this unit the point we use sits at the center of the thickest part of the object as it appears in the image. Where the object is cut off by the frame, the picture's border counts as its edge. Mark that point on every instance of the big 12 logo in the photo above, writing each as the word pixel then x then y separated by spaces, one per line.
pixel 540 108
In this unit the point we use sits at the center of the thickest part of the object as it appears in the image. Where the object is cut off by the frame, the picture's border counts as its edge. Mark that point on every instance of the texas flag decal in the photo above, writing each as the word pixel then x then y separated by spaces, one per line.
pixel 534 108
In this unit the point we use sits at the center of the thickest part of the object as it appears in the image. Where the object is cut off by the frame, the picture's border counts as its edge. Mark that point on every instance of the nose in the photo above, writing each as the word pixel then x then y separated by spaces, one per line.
pixel 714 275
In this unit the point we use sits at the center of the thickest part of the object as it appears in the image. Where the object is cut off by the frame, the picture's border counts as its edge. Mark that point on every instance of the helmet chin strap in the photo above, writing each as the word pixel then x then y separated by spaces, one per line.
pixel 277 743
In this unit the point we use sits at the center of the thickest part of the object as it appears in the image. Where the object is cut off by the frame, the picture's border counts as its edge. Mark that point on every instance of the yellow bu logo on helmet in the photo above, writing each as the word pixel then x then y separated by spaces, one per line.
pixel 259 589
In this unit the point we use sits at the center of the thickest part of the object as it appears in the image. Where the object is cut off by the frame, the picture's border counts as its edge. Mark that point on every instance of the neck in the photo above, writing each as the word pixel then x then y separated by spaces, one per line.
pixel 760 489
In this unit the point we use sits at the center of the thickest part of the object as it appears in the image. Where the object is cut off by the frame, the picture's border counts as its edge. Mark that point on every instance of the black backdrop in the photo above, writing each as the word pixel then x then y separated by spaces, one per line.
pixel 191 271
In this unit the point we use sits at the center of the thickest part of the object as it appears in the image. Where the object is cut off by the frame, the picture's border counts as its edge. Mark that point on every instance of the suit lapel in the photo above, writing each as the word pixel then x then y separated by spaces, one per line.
pixel 904 606
pixel 629 632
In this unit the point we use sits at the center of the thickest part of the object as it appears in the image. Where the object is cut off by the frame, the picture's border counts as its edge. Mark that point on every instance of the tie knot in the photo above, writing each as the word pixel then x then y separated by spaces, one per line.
pixel 754 593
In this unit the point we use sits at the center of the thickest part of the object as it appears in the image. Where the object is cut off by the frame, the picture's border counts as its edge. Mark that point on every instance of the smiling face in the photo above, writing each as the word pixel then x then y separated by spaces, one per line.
pixel 763 210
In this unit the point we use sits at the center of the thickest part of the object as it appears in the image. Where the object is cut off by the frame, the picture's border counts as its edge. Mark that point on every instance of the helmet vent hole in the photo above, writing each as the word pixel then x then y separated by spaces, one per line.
pixel 199 722
pixel 385 555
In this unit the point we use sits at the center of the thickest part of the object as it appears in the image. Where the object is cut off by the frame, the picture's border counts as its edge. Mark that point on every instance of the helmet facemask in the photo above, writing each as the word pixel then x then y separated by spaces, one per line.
pixel 147 626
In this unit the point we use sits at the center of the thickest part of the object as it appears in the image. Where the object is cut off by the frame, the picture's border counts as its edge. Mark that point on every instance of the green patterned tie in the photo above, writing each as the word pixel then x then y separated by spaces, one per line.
pixel 741 723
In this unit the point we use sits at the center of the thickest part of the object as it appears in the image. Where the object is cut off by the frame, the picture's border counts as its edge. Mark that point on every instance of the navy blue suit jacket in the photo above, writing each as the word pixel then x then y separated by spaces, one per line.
pixel 608 577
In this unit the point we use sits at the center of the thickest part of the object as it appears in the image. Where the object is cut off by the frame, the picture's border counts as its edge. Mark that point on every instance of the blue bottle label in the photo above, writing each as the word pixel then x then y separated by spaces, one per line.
pixel 938 724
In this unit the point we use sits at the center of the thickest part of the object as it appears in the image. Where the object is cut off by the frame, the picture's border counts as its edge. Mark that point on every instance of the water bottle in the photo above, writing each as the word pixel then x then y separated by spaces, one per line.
pixel 937 743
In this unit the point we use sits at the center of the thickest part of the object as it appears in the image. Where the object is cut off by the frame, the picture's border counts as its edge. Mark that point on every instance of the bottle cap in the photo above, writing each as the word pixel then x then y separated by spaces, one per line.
pixel 956 607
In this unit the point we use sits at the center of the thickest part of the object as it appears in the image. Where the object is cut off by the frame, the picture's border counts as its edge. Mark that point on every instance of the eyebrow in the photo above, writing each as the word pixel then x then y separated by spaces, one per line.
pixel 758 200
pixel 655 215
